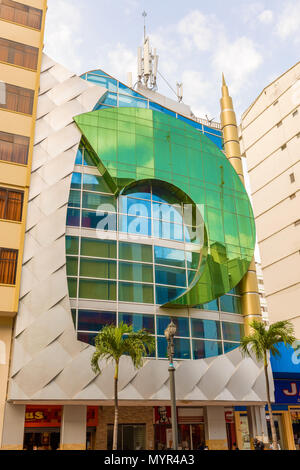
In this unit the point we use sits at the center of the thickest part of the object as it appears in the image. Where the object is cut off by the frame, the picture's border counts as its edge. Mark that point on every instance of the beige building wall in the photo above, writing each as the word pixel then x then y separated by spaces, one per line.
pixel 270 140
pixel 13 175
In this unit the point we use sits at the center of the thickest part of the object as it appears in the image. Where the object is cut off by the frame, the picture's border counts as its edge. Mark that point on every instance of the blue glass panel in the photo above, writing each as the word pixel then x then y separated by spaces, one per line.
pixel 131 206
pixel 167 231
pixel 207 329
pixel 91 320
pixel 166 294
pixel 95 183
pixel 128 91
pixel 128 102
pixel 139 190
pixel 213 305
pixel 182 325
pixel 157 107
pixel 232 331
pixel 73 217
pixel 138 321
pixel 195 124
pixel 230 304
pixel 105 81
pixel 169 256
pixel 170 276
pixel 76 181
pixel 78 159
pixel 167 212
pixel 216 140
pixel 88 338
pixel 135 225
pixel 212 130
pixel 230 346
pixel 109 99
pixel 202 349
pixel 102 221
pixel 181 348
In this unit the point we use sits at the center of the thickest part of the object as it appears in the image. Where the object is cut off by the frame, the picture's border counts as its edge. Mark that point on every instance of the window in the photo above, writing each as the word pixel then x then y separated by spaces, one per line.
pixel 8 265
pixel 130 436
pixel 14 148
pixel 292 196
pixel 11 203
pixel 18 54
pixel 292 177
pixel 283 147
pixel 15 98
pixel 21 14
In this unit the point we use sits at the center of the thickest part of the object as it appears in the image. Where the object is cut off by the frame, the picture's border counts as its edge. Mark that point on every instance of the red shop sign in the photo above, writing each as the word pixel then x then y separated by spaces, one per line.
pixel 50 416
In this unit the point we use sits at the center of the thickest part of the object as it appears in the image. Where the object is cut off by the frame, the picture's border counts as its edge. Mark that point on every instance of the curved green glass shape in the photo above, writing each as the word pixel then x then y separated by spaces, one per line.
pixel 131 144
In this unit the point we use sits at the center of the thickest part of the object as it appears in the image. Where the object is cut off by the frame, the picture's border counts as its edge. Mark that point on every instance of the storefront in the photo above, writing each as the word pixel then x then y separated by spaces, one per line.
pixel 286 373
pixel 191 431
pixel 43 424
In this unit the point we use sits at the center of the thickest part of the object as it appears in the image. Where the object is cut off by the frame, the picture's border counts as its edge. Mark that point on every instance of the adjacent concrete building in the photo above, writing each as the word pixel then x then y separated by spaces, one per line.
pixel 270 140
pixel 21 43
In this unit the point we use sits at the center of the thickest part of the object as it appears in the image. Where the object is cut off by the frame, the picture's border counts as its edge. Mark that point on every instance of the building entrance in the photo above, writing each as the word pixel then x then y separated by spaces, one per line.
pixel 41 440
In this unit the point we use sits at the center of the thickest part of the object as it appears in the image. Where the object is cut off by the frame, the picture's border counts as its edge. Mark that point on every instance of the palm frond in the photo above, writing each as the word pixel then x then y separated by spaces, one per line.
pixel 113 342
pixel 263 338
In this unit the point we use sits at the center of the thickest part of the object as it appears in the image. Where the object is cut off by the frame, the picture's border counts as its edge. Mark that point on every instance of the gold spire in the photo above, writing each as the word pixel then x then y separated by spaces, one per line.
pixel 249 286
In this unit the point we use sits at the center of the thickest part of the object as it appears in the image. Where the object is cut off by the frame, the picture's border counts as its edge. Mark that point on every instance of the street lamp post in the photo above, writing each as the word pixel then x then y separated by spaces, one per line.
pixel 169 334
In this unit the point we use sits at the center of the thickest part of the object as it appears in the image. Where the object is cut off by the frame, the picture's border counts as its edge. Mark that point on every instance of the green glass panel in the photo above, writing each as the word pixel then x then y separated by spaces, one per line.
pixel 90 267
pixel 135 252
pixel 95 289
pixel 135 272
pixel 178 154
pixel 74 199
pixel 72 244
pixel 141 293
pixel 87 158
pixel 94 201
pixel 98 248
pixel 72 286
pixel 72 265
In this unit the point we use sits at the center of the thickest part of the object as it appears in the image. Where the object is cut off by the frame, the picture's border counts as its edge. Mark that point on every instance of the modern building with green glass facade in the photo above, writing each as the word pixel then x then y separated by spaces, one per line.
pixel 135 215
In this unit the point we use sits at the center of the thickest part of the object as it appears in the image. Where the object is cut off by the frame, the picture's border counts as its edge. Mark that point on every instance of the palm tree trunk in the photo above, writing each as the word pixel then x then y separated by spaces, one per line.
pixel 116 422
pixel 273 430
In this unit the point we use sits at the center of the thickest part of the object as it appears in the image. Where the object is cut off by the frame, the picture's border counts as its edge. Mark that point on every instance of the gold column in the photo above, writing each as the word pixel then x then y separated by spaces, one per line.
pixel 249 286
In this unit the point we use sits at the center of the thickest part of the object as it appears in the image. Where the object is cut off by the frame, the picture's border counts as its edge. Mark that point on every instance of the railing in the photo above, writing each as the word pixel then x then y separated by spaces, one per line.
pixel 215 125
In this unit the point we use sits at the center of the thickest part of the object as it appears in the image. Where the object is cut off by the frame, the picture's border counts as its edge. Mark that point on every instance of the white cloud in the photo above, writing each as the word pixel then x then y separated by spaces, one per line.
pixel 199 30
pixel 266 17
pixel 63 33
pixel 238 60
pixel 117 60
pixel 196 90
pixel 289 21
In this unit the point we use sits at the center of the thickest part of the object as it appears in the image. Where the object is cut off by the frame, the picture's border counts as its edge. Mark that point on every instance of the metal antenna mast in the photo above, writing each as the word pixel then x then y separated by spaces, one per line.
pixel 144 14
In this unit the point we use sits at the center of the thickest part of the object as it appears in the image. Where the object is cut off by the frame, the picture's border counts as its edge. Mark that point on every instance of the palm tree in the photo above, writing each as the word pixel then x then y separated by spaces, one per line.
pixel 264 339
pixel 114 342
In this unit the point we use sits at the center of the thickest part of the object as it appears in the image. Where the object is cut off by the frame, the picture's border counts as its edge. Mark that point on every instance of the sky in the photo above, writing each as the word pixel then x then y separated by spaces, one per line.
pixel 252 42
